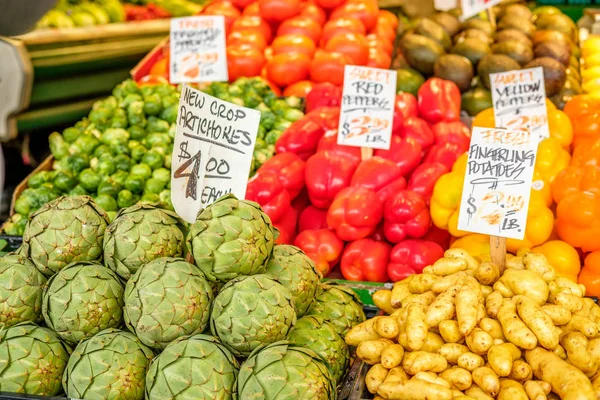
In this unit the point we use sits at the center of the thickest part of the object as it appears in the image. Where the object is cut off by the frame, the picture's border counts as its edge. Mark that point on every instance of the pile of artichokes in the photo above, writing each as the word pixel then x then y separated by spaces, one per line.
pixel 117 310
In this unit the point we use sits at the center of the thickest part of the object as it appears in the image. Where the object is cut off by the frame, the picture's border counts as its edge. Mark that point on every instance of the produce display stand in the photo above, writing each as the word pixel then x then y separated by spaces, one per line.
pixel 62 72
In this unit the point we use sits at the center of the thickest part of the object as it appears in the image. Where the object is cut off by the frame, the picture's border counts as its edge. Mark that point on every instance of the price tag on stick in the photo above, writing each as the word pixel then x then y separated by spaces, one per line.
pixel 212 152
pixel 519 99
pixel 367 111
pixel 197 50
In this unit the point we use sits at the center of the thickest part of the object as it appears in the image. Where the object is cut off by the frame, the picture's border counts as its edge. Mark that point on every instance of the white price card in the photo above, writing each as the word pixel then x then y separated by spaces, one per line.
pixel 367 112
pixel 495 197
pixel 470 8
pixel 519 99
pixel 212 152
pixel 197 46
pixel 445 5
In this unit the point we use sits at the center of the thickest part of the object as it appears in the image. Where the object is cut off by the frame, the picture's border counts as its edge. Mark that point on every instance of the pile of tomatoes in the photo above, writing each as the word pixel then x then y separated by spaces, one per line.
pixel 296 43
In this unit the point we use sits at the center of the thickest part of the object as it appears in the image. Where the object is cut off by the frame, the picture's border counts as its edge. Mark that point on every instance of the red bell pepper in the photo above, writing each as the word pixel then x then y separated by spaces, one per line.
pixel 266 189
pixel 407 104
pixel 446 153
pixel 329 117
pixel 378 235
pixel 327 173
pixel 287 227
pixel 439 100
pixel 329 142
pixel 424 178
pixel 290 170
pixel 302 137
pixel 419 130
pixel 355 213
pixel 322 246
pixel 366 260
pixel 397 121
pixel 454 132
pixel 312 218
pixel 323 95
pixel 405 152
pixel 380 175
pixel 411 256
pixel 405 215
pixel 438 235
pixel 388 191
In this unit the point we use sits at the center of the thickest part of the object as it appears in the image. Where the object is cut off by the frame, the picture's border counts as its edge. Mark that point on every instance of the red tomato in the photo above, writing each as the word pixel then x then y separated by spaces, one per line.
pixel 286 69
pixel 329 4
pixel 253 23
pixel 278 10
pixel 328 67
pixel 301 26
pixel 247 36
pixel 376 42
pixel 293 44
pixel 314 12
pixel 379 59
pixel 364 11
pixel 241 3
pixel 268 53
pixel 299 89
pixel 225 8
pixel 389 17
pixel 252 10
pixel 354 46
pixel 341 25
pixel 244 60
pixel 384 31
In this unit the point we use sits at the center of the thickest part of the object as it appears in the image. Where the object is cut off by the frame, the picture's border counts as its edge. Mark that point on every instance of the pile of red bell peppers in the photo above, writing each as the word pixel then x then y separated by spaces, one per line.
pixel 370 216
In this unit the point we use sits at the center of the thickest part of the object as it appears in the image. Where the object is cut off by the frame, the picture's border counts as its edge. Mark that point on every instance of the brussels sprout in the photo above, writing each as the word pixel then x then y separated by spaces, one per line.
pixel 170 101
pixel 126 87
pixel 142 170
pixel 78 191
pixel 120 177
pixel 137 132
pixel 65 181
pixel 26 203
pixel 89 179
pixel 107 202
pixel 282 124
pixel 162 174
pixel 38 179
pixel 279 107
pixel 122 162
pixel 157 139
pixel 271 137
pixel 85 143
pixel 169 114
pixel 267 119
pixel 119 148
pixel 154 186
pixel 15 226
pixel 153 159
pixel 152 104
pixel 104 165
pixel 109 187
pixel 119 119
pixel 172 131
pixel 135 113
pixel 131 98
pixel 137 152
pixel 71 134
pixel 114 135
pixel 58 146
pixel 135 183
pixel 125 199
pixel 100 116
pixel 150 198
pixel 293 114
pixel 165 199
pixel 157 125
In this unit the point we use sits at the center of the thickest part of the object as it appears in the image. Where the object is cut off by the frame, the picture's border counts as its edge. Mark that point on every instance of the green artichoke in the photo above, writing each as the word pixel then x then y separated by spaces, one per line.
pixel 140 234
pixel 297 272
pixel 32 360
pixel 194 368
pixel 339 305
pixel 283 371
pixel 250 311
pixel 321 337
pixel 110 365
pixel 21 290
pixel 166 299
pixel 63 231
pixel 83 299
pixel 230 238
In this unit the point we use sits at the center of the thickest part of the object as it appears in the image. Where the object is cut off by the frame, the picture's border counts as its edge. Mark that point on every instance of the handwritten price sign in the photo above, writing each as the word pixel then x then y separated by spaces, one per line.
pixel 212 152
pixel 198 50
pixel 519 99
pixel 367 110
pixel 498 181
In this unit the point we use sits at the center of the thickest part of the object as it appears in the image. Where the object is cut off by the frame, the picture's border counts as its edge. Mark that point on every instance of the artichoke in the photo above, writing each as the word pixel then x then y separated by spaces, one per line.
pixel 140 234
pixel 198 368
pixel 166 299
pixel 251 311
pixel 83 299
pixel 110 365
pixel 297 272
pixel 63 231
pixel 282 371
pixel 339 305
pixel 321 337
pixel 32 360
pixel 230 238
pixel 21 289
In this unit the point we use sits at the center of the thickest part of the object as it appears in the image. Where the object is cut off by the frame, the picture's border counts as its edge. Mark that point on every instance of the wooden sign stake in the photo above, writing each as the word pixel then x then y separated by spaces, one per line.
pixel 491 16
pixel 498 251
pixel 366 153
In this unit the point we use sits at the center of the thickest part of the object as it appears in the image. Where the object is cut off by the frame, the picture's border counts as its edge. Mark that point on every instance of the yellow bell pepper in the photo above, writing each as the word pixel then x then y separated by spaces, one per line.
pixel 540 222
pixel 562 256
pixel 551 159
pixel 475 244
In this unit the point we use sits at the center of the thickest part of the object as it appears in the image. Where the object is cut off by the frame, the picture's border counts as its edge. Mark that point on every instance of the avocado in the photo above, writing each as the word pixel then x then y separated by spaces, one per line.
pixel 512 34
pixel 475 34
pixel 517 10
pixel 473 49
pixel 546 10
pixel 408 80
pixel 421 52
pixel 493 63
pixel 522 24
pixel 449 22
pixel 557 22
pixel 455 68
pixel 546 35
pixel 520 52
pixel 559 51
pixel 476 100
pixel 433 30
pixel 476 23
pixel 555 74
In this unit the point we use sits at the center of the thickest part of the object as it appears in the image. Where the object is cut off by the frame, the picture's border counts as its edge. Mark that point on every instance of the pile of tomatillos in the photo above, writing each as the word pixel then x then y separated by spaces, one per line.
pixel 464 329
pixel 102 310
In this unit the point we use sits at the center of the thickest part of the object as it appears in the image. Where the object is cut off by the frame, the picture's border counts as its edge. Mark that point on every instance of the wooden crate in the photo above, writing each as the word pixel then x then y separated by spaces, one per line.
pixel 45 165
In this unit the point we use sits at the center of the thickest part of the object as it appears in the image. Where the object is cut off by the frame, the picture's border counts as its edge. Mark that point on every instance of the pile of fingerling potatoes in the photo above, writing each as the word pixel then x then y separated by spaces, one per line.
pixel 469 329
